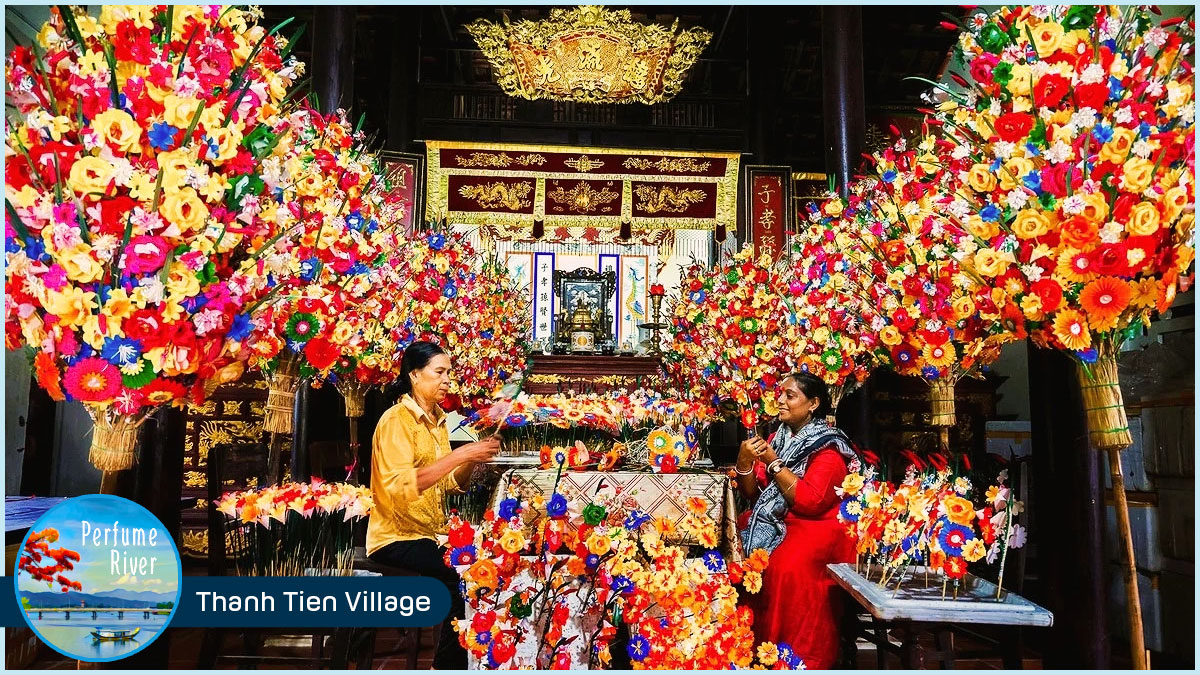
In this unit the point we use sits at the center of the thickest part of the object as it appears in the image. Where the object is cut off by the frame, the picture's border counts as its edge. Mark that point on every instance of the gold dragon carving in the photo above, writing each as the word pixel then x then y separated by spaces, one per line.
pixel 511 196
pixel 667 164
pixel 668 199
pixel 589 54
pixel 491 160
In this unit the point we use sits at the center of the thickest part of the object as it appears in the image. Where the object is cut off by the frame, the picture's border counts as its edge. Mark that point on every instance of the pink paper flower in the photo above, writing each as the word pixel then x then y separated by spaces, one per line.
pixel 92 380
pixel 145 254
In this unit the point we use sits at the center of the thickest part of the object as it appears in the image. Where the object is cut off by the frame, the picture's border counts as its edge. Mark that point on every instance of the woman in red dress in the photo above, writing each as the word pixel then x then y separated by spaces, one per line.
pixel 791 482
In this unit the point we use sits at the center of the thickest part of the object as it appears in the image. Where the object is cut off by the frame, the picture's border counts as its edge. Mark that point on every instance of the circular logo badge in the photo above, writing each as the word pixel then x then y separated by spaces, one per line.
pixel 98 578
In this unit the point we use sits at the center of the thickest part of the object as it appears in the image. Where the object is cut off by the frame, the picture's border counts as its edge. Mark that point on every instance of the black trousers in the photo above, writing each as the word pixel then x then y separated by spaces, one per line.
pixel 425 557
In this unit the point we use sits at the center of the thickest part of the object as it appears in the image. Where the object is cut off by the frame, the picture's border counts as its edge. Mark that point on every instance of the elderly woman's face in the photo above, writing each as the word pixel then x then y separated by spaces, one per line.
pixel 432 383
pixel 794 407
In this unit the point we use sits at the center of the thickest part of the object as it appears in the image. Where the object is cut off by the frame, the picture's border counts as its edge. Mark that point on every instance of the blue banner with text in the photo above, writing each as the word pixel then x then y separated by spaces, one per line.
pixel 290 602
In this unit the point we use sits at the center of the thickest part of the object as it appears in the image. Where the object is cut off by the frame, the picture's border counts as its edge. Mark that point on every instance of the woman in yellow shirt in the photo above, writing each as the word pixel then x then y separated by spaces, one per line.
pixel 412 468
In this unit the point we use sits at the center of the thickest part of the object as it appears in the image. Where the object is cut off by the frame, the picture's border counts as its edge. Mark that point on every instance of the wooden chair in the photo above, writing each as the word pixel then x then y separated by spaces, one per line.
pixel 229 468
pixel 410 645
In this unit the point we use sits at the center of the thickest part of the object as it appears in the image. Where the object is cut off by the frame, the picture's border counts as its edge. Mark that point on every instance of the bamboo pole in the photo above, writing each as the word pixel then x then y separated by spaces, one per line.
pixel 1108 430
pixel 1137 640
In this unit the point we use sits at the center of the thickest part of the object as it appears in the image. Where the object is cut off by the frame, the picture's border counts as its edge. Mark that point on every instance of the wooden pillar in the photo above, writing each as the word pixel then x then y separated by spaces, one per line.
pixel 157 484
pixel 842 81
pixel 1066 508
pixel 300 433
pixel 333 56
pixel 37 464
pixel 403 94
pixel 764 49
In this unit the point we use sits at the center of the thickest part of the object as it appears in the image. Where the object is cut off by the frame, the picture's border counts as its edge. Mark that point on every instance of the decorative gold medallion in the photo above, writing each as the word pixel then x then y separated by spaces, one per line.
pixel 589 54
pixel 582 198
pixel 583 163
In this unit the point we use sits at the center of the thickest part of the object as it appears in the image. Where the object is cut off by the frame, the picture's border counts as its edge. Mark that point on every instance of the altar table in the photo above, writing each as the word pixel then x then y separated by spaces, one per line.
pixel 914 609
pixel 592 374
pixel 620 492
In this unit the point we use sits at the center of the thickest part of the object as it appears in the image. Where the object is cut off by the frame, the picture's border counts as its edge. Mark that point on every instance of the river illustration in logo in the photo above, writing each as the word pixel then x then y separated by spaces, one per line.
pixel 98 578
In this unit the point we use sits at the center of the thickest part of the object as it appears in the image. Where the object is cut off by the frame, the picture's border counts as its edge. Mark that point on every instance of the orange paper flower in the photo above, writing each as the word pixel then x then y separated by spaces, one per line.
pixel 1071 330
pixel 1104 299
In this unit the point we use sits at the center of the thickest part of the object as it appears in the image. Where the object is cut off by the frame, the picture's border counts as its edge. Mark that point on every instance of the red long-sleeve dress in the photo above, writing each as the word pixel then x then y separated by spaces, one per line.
pixel 799 602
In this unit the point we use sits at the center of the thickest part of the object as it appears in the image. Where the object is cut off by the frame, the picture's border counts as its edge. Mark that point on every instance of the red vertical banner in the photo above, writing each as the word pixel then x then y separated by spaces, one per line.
pixel 405 175
pixel 769 215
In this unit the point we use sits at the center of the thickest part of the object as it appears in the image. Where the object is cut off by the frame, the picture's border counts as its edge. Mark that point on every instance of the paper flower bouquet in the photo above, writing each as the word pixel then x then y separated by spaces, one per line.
pixel 1076 130
pixel 134 223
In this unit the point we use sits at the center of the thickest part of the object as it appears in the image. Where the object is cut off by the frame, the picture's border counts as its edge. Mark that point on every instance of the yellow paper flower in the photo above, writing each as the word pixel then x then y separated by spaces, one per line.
pixel 118 128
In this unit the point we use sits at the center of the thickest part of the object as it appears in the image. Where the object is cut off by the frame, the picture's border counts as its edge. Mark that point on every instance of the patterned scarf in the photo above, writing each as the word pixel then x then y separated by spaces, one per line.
pixel 766 529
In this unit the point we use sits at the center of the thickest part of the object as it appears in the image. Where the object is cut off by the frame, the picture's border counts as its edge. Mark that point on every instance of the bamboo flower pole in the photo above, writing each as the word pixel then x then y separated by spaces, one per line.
pixel 1108 430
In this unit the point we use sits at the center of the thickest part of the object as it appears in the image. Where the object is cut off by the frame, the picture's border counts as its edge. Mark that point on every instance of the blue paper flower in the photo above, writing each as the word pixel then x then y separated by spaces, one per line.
pixel 990 213
pixel 508 508
pixel 713 560
pixel 953 536
pixel 638 648
pixel 463 555
pixel 622 584
pixel 121 351
pixel 162 136
pixel 850 513
pixel 240 328
pixel 436 241
pixel 636 519
pixel 309 268
pixel 557 506
pixel 788 655
pixel 1103 133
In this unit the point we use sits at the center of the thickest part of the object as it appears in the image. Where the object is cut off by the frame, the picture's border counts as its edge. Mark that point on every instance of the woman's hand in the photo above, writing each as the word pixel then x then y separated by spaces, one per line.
pixel 768 454
pixel 753 450
pixel 746 455
pixel 479 451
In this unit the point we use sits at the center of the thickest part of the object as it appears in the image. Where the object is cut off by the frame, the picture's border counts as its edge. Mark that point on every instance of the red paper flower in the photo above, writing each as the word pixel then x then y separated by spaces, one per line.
pixel 1014 127
pixel 321 353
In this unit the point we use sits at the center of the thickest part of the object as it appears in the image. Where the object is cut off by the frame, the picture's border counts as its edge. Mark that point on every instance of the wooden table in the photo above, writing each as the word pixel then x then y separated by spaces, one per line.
pixel 913 610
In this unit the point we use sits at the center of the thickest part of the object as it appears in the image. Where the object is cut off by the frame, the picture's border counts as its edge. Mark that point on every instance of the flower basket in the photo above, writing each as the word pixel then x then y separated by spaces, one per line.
pixel 1108 426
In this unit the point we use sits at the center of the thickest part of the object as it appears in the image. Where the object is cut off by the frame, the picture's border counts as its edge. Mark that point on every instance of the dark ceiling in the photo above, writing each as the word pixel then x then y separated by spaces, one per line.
pixel 425 53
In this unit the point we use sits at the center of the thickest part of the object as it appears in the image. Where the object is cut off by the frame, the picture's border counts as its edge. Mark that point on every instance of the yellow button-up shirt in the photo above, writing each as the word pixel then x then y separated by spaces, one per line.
pixel 406 439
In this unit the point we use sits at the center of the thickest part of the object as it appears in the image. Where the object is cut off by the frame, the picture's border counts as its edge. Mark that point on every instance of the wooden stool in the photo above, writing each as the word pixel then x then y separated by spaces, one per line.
pixel 412 636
